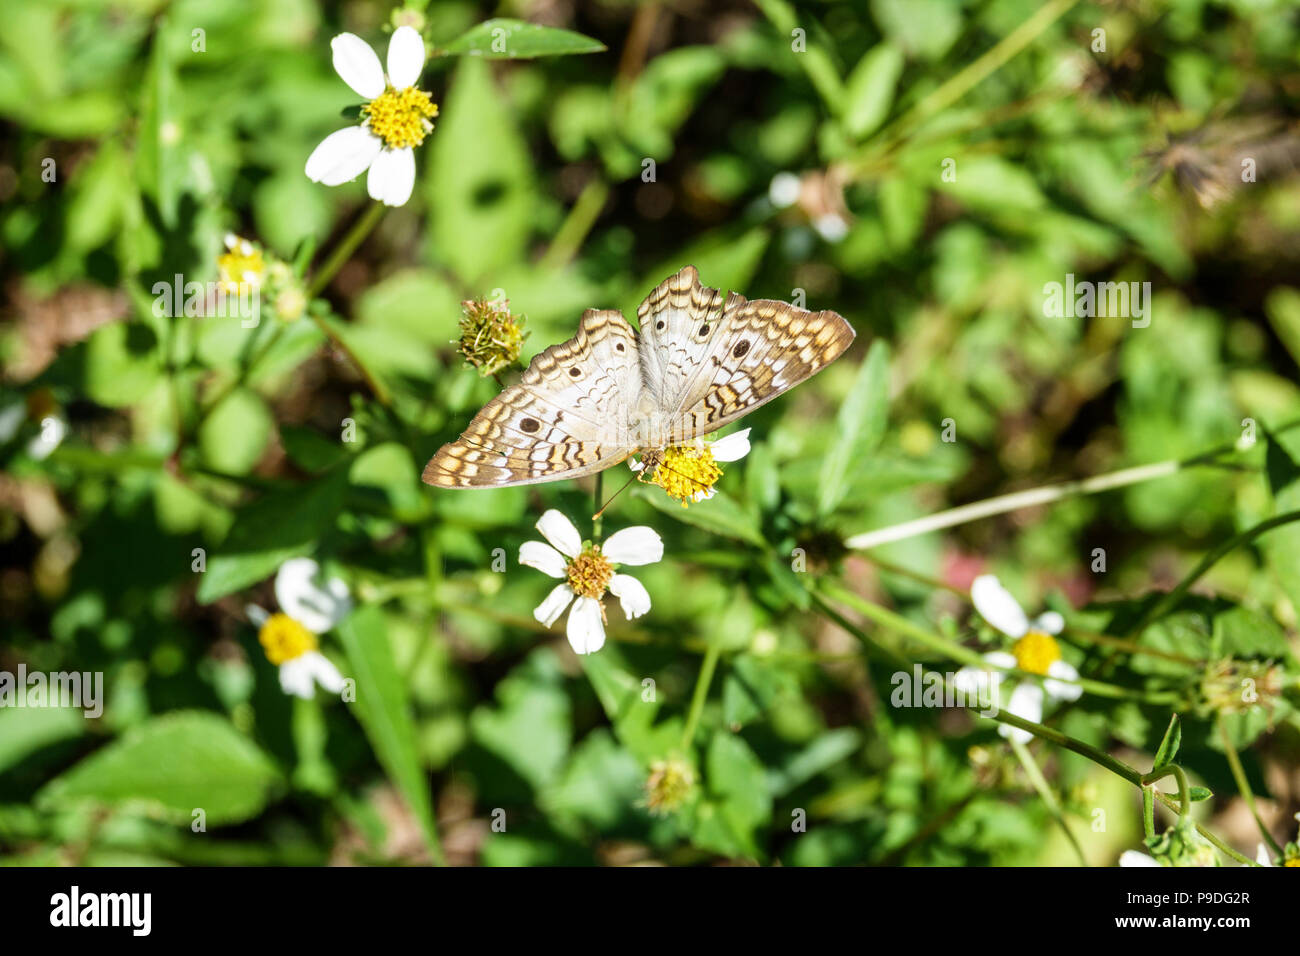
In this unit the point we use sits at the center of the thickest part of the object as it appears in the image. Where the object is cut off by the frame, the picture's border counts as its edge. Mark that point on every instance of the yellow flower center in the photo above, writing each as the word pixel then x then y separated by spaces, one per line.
pixel 401 118
pixel 283 639
pixel 241 263
pixel 1294 861
pixel 668 786
pixel 589 573
pixel 683 471
pixel 1036 652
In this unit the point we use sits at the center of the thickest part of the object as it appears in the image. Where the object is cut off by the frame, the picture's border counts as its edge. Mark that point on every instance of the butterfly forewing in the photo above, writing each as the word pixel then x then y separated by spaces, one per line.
pixel 763 348
pixel 567 416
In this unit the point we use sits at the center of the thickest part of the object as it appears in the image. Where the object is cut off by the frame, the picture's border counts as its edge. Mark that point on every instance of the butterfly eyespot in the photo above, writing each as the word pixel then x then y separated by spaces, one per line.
pixel 704 330
pixel 620 347
pixel 660 325
pixel 574 372
pixel 530 425
pixel 740 349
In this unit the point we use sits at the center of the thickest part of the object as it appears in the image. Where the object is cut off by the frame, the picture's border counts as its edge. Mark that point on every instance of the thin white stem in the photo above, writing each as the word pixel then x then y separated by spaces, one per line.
pixel 1013 502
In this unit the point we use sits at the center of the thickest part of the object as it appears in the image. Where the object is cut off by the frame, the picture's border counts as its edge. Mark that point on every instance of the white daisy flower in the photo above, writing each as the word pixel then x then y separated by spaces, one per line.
pixel 1137 858
pixel 396 118
pixel 689 472
pixel 289 635
pixel 586 573
pixel 1035 651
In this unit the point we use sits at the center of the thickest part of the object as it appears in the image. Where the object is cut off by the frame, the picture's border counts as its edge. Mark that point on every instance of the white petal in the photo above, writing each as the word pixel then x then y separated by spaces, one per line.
pixel 1049 622
pixel 323 671
pixel 560 531
pixel 357 64
pixel 637 545
pixel 550 609
pixel 1062 688
pixel 996 605
pixel 586 630
pixel 1000 659
pixel 405 57
pixel 343 156
pixel 971 680
pixel 636 464
pixel 731 448
pixel 315 608
pixel 256 614
pixel 1261 857
pixel 392 176
pixel 1136 858
pixel 1026 703
pixel 543 557
pixel 296 678
pixel 631 593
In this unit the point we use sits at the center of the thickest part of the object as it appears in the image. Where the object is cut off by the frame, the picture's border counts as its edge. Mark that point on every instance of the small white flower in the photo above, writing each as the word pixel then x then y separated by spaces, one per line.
pixel 784 190
pixel 1137 858
pixel 289 636
pixel 396 118
pixel 317 608
pixel 587 573
pixel 1035 651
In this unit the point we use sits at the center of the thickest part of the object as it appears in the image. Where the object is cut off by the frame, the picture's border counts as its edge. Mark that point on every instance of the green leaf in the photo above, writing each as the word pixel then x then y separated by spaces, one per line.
pixel 280 525
pixel 532 726
pixel 859 427
pixel 1200 793
pixel 234 434
pixel 160 160
pixel 480 183
pixel 384 710
pixel 123 363
pixel 25 730
pixel 1168 749
pixel 721 514
pixel 171 766
pixel 505 39
pixel 1281 546
pixel 736 776
pixel 870 89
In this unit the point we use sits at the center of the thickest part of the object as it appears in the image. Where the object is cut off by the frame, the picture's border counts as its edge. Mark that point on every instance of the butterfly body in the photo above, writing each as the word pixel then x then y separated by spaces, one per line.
pixel 700 362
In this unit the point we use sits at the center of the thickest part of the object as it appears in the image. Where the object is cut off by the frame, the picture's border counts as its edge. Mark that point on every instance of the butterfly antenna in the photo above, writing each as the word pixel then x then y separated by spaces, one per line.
pixel 613 496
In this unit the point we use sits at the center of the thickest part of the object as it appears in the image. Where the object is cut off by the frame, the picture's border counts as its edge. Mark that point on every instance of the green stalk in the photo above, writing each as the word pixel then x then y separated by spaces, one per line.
pixel 707 667
pixel 1045 792
pixel 1243 785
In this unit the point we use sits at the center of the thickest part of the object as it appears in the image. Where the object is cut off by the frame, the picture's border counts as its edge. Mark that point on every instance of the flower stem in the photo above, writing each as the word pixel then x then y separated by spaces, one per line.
pixel 1243 785
pixel 707 667
pixel 596 517
pixel 343 251
pixel 1184 790
pixel 568 240
pixel 1045 494
pixel 1045 792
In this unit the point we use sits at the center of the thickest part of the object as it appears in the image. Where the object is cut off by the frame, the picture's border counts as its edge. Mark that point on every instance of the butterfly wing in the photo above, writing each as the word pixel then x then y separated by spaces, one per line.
pixel 567 416
pixel 710 361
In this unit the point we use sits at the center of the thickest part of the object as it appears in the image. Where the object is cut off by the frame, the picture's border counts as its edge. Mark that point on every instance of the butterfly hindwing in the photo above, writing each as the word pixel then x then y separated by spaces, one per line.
pixel 565 418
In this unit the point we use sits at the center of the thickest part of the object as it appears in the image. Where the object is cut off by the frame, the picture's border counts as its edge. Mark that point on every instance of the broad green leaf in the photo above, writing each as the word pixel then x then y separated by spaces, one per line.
pixel 505 39
pixel 719 514
pixel 480 182
pixel 859 427
pixel 170 767
pixel 25 730
pixel 123 363
pixel 384 710
pixel 282 524
pixel 869 91
pixel 531 727
pixel 234 434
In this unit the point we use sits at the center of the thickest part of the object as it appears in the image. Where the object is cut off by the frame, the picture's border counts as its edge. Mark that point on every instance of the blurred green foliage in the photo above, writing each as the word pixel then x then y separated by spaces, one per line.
pixel 577 173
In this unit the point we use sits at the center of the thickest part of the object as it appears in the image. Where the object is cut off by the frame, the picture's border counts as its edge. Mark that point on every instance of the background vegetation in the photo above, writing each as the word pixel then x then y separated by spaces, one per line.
pixel 194 432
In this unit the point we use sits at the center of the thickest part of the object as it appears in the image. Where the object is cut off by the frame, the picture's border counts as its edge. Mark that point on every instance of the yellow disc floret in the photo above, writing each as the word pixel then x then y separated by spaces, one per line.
pixel 589 573
pixel 1036 652
pixel 241 263
pixel 685 472
pixel 401 118
pixel 283 639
